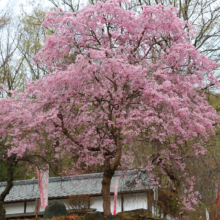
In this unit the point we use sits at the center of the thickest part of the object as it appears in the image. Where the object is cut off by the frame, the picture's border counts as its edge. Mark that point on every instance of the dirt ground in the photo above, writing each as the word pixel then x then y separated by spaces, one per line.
pixel 69 217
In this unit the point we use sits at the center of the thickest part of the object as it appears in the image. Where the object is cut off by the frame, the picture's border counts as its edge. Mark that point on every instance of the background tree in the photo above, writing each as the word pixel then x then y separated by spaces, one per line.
pixel 68 5
pixel 9 39
pixel 21 38
pixel 11 74
pixel 4 18
pixel 32 40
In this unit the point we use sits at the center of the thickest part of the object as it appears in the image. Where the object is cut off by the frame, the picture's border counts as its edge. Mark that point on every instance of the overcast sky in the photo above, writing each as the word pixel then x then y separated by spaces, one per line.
pixel 15 5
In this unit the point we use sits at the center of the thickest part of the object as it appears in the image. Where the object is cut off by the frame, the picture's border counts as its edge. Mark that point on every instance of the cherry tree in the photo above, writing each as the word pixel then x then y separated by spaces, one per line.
pixel 117 77
pixel 14 118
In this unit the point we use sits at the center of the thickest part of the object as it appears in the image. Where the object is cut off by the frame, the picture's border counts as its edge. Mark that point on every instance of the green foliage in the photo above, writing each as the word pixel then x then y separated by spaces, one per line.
pixel 93 216
pixel 214 100
pixel 3 173
pixel 173 204
pixel 20 172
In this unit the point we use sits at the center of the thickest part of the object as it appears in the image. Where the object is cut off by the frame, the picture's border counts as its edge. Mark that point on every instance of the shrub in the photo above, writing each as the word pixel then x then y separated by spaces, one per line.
pixel 79 203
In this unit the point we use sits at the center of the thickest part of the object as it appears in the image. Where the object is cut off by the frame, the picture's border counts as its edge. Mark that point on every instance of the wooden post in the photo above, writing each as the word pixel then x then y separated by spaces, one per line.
pixel 89 202
pixel 122 202
pixel 25 207
pixel 37 207
pixel 147 200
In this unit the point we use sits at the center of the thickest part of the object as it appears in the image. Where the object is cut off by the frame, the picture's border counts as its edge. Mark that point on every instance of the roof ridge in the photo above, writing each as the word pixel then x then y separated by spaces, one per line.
pixel 68 178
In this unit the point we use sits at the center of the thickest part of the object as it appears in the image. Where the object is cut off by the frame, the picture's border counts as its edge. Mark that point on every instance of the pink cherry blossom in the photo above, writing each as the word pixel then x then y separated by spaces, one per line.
pixel 116 77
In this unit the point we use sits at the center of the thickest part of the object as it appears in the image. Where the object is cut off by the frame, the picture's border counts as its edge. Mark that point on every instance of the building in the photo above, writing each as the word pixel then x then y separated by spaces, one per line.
pixel 132 192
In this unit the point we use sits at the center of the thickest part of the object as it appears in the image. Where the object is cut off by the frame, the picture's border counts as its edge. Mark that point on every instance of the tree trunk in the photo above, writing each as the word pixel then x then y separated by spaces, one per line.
pixel 106 182
pixel 109 169
pixel 7 189
pixel 2 210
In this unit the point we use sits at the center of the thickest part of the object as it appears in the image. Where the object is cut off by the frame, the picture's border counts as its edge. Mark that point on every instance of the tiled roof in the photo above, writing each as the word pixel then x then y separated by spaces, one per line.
pixel 87 184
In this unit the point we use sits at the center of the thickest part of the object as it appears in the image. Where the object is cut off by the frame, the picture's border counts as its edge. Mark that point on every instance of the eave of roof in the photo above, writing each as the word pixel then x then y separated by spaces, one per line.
pixel 87 184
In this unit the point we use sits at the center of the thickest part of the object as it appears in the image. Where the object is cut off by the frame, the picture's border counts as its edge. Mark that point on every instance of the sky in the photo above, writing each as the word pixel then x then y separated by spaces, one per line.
pixel 16 4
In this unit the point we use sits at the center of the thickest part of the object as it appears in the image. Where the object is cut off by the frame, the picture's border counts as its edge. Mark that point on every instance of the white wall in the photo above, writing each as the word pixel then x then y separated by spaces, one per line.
pixel 12 208
pixel 131 202
pixel 30 206
pixel 135 201
pixel 16 208
pixel 97 203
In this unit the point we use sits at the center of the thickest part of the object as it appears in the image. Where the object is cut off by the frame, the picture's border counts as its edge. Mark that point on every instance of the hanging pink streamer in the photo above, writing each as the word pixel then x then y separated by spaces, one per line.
pixel 43 175
pixel 115 197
